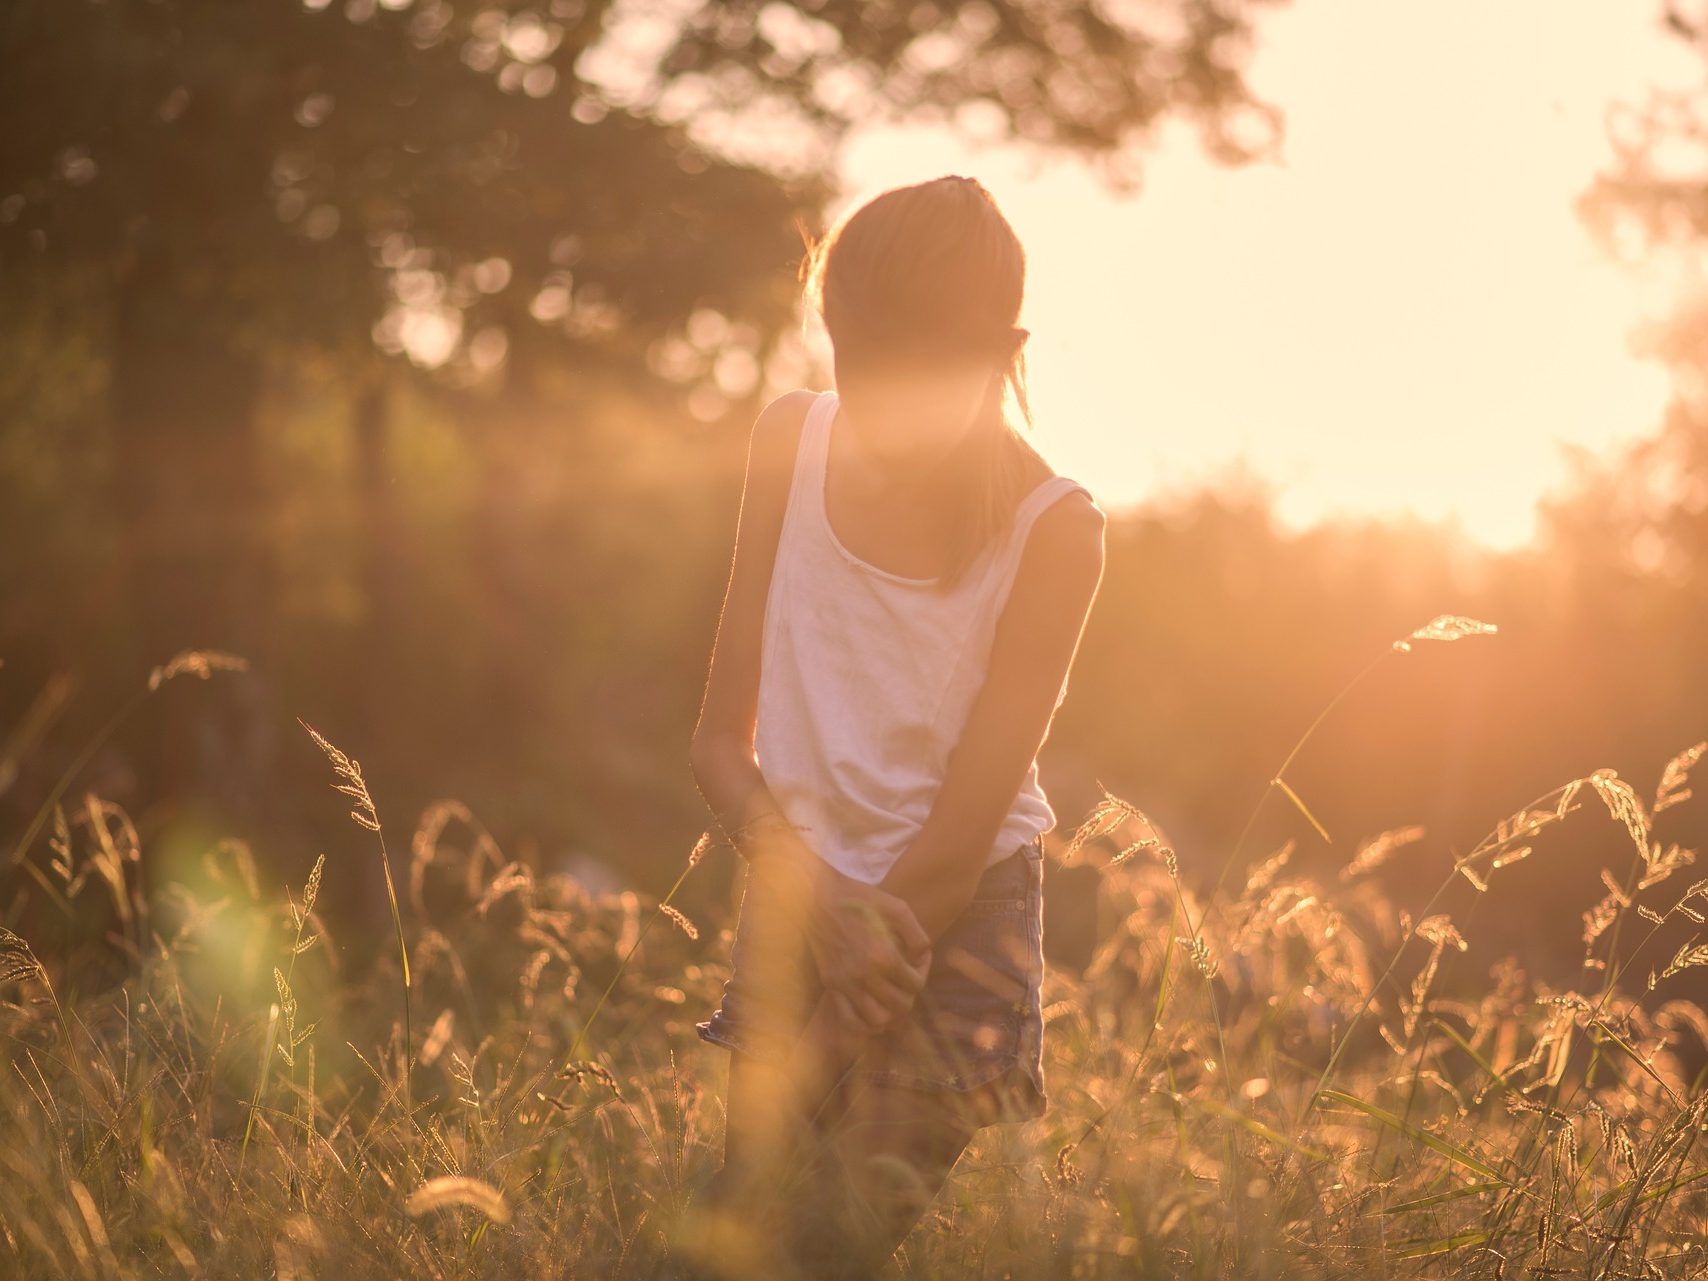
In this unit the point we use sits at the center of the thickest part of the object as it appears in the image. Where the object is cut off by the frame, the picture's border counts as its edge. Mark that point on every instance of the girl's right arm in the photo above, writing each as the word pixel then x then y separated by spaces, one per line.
pixel 725 768
pixel 859 963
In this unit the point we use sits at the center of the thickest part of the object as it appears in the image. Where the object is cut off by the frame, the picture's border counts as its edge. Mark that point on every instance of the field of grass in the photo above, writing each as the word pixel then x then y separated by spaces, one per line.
pixel 1283 1078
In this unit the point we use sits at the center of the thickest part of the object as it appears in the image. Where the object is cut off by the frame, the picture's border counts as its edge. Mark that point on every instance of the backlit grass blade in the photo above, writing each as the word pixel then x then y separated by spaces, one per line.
pixel 1442 1198
pixel 1487 1067
pixel 1455 1154
pixel 1254 1126
pixel 1440 1245
pixel 1606 1199
pixel 1630 1053
pixel 1299 804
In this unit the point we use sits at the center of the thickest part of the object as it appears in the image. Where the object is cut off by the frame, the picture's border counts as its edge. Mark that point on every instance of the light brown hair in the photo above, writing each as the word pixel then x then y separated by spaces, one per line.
pixel 927 272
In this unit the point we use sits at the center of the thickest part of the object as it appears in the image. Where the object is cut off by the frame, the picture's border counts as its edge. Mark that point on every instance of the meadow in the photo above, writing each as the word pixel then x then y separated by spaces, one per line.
pixel 1262 1073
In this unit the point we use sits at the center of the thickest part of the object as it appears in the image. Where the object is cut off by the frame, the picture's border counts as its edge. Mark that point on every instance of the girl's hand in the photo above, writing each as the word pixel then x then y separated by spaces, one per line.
pixel 871 951
pixel 859 1014
pixel 868 947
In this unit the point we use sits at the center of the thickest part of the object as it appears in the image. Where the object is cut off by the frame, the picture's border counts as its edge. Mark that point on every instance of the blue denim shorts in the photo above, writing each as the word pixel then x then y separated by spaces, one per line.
pixel 977 1022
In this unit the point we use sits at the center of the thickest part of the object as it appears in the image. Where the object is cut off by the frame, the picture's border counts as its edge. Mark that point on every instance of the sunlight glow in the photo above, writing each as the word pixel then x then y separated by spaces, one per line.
pixel 1403 318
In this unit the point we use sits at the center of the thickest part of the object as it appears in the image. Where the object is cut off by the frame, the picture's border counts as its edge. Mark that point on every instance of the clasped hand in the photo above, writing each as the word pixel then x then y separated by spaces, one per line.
pixel 871 952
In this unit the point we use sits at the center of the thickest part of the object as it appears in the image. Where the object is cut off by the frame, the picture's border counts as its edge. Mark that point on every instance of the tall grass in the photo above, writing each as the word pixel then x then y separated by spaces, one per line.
pixel 1289 1076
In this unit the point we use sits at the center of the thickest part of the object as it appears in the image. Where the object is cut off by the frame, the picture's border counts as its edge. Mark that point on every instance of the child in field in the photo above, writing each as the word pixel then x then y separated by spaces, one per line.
pixel 910 583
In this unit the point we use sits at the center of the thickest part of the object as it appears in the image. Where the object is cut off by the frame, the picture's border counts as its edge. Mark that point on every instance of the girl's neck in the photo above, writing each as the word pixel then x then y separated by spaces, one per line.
pixel 905 481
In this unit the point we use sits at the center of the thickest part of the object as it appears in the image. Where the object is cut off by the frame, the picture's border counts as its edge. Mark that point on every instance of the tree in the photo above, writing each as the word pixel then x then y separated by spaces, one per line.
pixel 1646 511
pixel 549 188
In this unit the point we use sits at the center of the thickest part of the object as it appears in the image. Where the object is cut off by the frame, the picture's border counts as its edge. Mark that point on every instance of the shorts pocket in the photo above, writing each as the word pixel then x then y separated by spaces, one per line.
pixel 1006 881
pixel 966 1024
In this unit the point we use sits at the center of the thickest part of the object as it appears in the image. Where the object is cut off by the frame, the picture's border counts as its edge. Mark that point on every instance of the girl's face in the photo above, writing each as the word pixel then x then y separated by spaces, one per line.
pixel 912 413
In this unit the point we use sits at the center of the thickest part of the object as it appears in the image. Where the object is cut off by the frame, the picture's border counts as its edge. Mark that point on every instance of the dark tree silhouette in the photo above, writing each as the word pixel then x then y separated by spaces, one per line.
pixel 232 188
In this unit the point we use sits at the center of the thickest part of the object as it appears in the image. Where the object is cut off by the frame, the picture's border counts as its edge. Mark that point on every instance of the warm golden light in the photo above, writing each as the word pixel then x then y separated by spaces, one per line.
pixel 1402 317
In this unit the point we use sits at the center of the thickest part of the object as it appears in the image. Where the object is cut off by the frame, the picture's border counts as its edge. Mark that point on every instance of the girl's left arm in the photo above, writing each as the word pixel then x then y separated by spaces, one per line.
pixel 1036 640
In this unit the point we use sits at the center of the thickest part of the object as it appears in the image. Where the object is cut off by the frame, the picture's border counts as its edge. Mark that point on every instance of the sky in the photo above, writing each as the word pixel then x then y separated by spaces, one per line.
pixel 1401 317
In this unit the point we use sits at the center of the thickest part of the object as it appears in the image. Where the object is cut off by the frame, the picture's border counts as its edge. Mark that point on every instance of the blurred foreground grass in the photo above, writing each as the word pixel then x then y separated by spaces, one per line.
pixel 1286 1077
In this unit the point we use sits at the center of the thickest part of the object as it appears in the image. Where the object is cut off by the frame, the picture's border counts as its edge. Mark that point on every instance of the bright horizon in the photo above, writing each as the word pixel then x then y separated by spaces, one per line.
pixel 1404 317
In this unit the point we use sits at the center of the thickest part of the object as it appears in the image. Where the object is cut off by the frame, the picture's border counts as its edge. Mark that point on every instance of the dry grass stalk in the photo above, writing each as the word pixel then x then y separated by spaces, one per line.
pixel 1446 627
pixel 347 769
pixel 451 1190
pixel 1379 849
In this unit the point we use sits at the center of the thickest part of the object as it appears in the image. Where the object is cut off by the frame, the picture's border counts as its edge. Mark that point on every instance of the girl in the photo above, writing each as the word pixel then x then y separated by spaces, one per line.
pixel 910 583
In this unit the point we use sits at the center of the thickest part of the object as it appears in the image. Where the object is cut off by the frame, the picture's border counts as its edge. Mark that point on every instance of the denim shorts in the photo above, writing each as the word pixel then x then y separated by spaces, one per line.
pixel 977 1022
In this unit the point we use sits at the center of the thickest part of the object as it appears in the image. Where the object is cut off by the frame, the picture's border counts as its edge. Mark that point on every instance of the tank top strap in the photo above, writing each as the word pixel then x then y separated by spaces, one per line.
pixel 1045 494
pixel 806 489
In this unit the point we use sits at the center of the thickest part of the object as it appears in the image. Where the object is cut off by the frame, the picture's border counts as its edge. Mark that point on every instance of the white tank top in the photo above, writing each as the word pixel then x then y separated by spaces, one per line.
pixel 866 677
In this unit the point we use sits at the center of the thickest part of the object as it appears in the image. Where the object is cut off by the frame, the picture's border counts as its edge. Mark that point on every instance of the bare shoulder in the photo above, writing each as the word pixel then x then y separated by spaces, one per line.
pixel 1057 581
pixel 771 449
pixel 777 429
pixel 1070 527
pixel 1068 536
